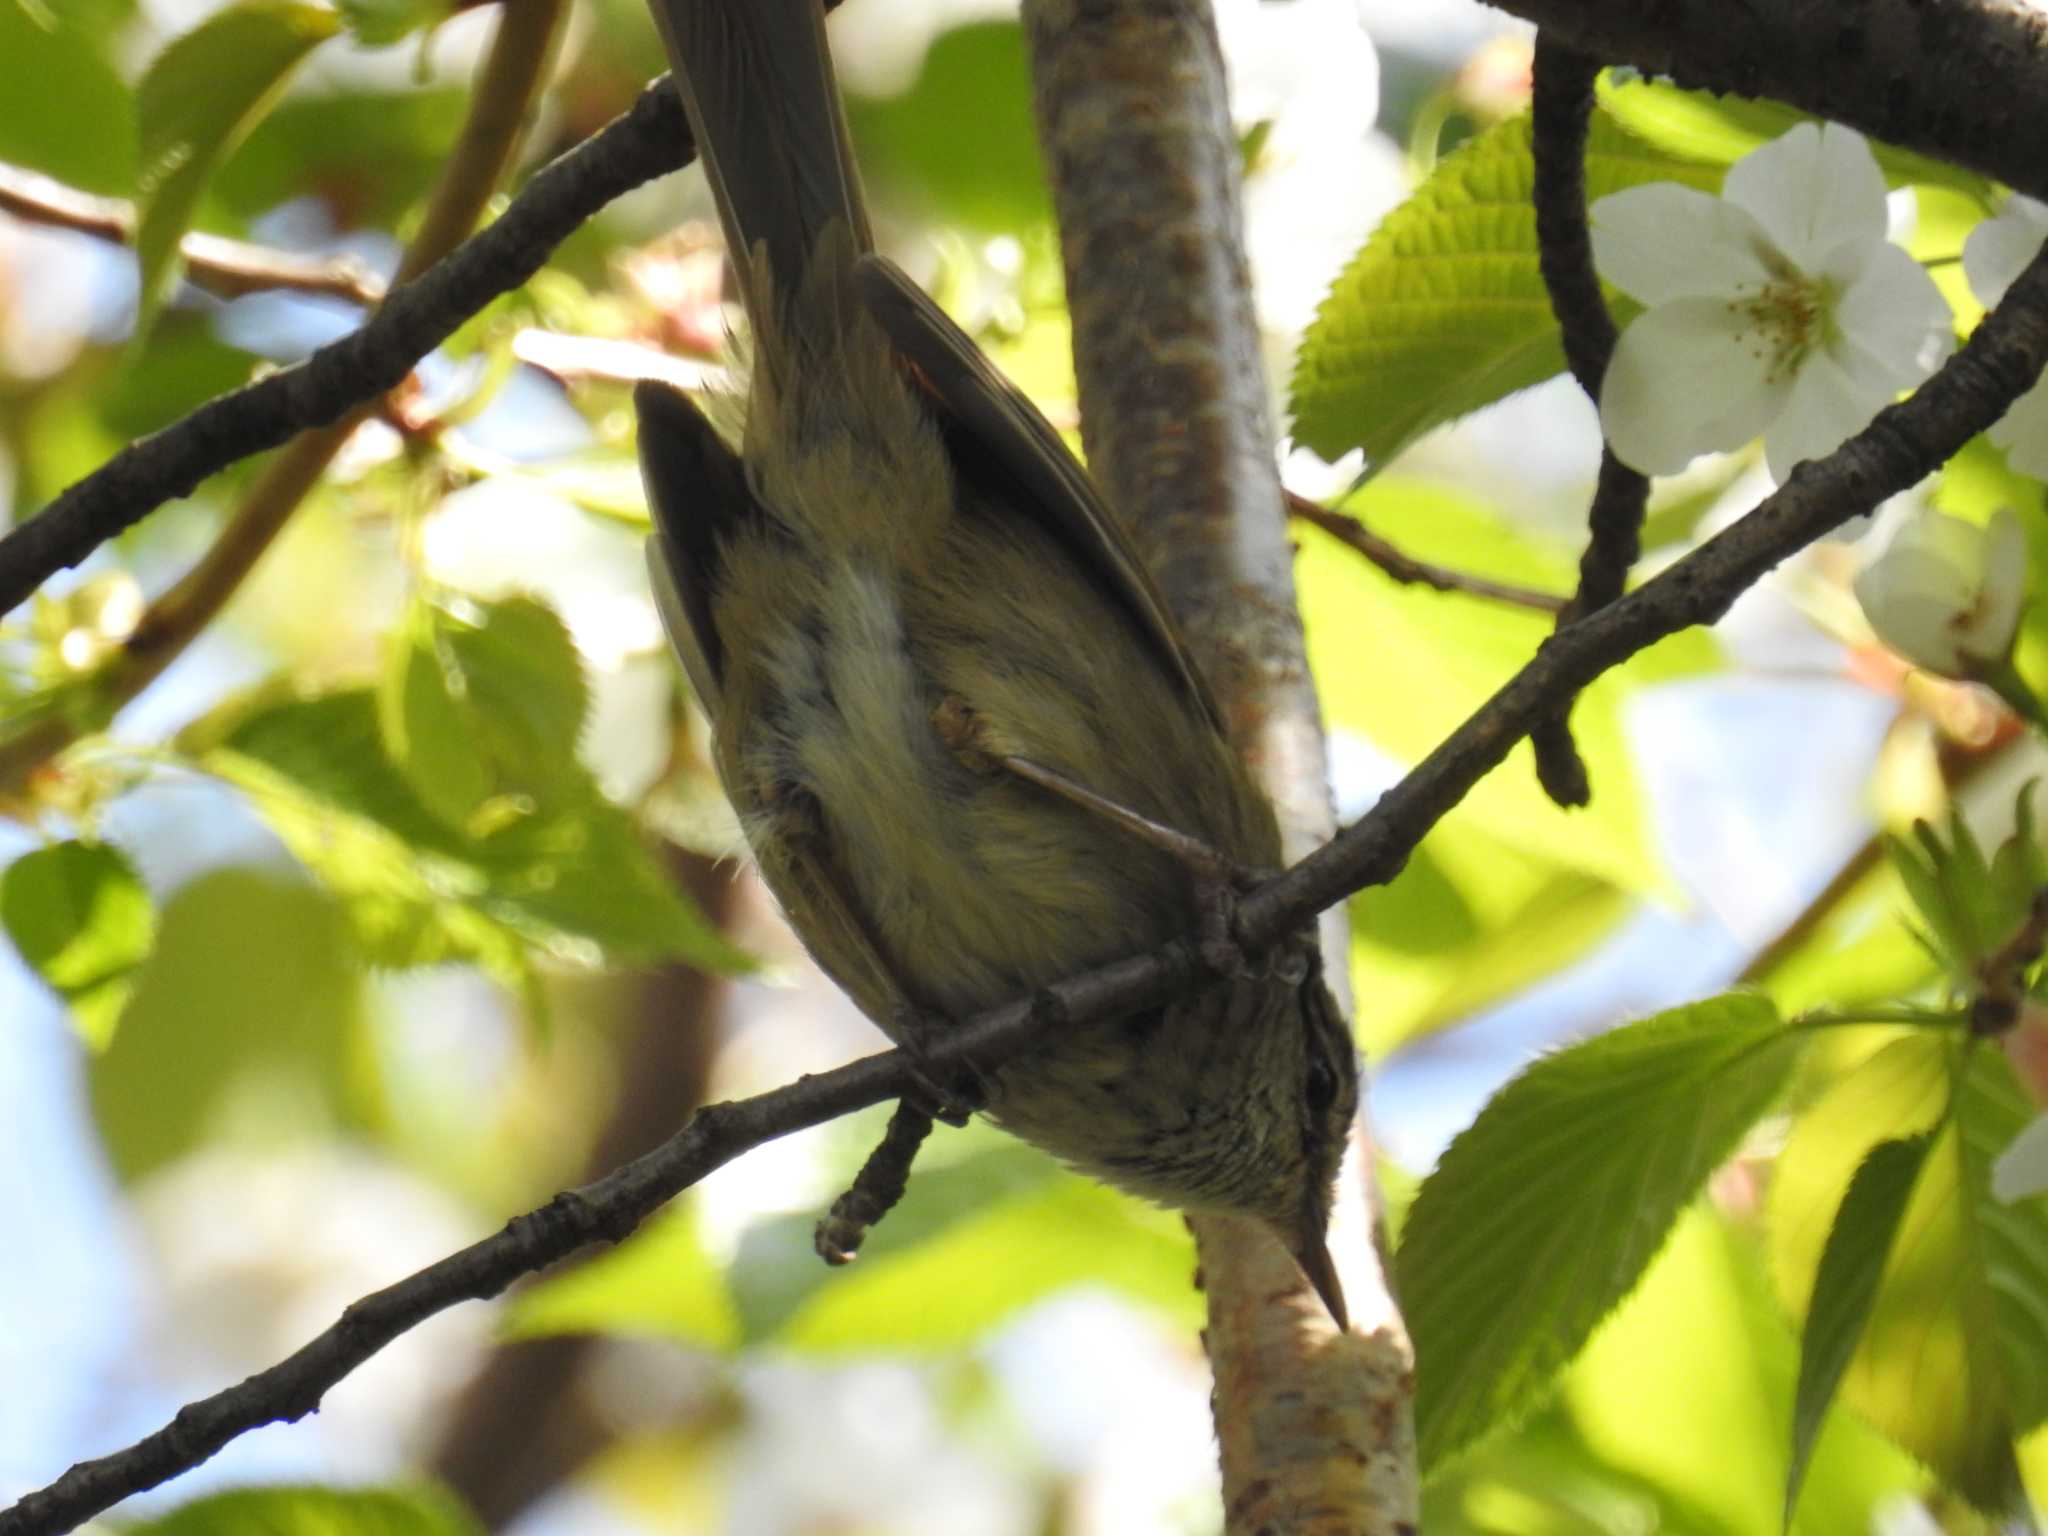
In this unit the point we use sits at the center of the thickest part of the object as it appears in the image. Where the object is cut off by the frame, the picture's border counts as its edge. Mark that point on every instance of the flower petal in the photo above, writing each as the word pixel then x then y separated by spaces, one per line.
pixel 1813 189
pixel 1664 241
pixel 1825 406
pixel 1999 249
pixel 1995 619
pixel 1687 378
pixel 2023 432
pixel 2022 1168
pixel 1890 318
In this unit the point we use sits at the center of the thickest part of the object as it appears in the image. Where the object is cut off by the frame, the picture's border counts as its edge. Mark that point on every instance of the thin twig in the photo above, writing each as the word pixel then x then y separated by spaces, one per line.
pixel 1407 569
pixel 222 266
pixel 647 141
pixel 1561 109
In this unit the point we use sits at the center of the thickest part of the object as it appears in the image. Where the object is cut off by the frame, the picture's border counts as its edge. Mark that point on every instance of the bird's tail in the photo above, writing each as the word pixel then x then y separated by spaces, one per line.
pixel 757 82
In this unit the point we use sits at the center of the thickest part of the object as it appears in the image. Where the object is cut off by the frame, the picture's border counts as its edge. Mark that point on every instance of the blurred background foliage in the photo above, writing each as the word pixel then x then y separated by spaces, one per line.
pixel 403 897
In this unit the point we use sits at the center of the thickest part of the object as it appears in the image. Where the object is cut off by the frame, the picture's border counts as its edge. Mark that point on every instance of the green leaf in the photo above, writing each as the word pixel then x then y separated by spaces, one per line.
pixel 248 1007
pixel 1859 1244
pixel 659 1283
pixel 570 876
pixel 315 1511
pixel 1719 130
pixel 83 920
pixel 1953 1363
pixel 481 702
pixel 198 100
pixel 1404 666
pixel 374 152
pixel 1543 1214
pixel 983 169
pixel 1856 950
pixel 1688 1386
pixel 949 1291
pixel 68 114
pixel 1443 310
pixel 379 23
pixel 1469 920
pixel 777 1269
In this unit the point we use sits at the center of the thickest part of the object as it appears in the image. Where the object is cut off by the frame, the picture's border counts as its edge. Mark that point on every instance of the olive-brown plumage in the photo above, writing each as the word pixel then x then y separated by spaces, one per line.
pixel 902 578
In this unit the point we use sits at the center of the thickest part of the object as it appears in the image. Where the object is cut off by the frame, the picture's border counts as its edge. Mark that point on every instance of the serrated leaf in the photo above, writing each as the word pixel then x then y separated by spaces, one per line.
pixel 315 1511
pixel 483 701
pixel 1851 1265
pixel 83 920
pixel 1953 1363
pixel 571 877
pixel 659 1283
pixel 949 1291
pixel 1443 310
pixel 1542 1215
pixel 198 100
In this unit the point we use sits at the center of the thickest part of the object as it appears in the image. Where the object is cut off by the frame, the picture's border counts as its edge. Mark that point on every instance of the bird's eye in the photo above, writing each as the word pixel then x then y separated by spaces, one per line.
pixel 1322 1087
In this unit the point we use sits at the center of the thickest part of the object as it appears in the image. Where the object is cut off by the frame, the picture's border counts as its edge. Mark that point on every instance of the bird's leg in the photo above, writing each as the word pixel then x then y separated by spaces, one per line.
pixel 1217 878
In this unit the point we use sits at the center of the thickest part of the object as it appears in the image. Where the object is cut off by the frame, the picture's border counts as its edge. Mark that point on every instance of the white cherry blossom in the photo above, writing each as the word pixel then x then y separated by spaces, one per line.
pixel 1946 594
pixel 1776 308
pixel 1996 252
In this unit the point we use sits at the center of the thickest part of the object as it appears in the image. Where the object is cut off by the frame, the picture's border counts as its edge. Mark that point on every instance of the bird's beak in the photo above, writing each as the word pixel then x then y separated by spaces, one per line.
pixel 1312 1252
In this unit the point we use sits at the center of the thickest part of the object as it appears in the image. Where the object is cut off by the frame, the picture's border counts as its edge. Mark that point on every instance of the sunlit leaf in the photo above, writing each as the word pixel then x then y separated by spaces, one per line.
pixel 1443 310
pixel 1403 666
pixel 83 920
pixel 1719 130
pixel 298 1510
pixel 1953 1363
pixel 481 701
pixel 950 1291
pixel 569 877
pixel 199 98
pixel 1543 1214
pixel 1852 1263
pixel 1688 1388
pixel 1470 920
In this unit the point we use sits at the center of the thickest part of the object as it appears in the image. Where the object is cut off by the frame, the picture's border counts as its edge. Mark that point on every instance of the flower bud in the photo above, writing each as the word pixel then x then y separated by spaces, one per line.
pixel 1946 594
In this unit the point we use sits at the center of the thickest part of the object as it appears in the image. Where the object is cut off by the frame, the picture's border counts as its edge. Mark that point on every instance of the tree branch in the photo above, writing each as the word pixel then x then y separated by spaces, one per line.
pixel 1144 168
pixel 1906 442
pixel 1405 568
pixel 649 140
pixel 226 267
pixel 1962 80
pixel 1561 109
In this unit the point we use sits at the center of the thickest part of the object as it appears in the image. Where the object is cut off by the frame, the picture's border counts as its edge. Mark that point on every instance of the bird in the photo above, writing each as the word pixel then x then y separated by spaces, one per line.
pixel 968 747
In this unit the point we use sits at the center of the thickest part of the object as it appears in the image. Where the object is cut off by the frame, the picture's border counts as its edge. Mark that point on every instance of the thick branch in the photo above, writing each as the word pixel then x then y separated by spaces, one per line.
pixel 1962 80
pixel 1905 443
pixel 648 141
pixel 1314 1428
